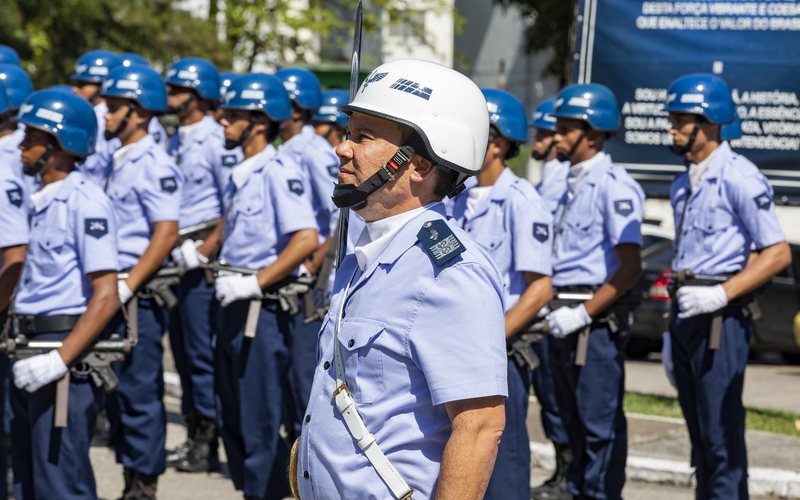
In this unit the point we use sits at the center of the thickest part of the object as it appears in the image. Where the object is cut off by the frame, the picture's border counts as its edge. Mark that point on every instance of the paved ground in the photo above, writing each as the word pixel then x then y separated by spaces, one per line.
pixel 770 386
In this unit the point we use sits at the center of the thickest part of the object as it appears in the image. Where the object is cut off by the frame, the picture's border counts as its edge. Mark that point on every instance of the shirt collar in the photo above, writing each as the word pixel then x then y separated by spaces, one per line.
pixel 10 142
pixel 585 171
pixel 195 131
pixel 503 184
pixel 58 190
pixel 714 162
pixel 133 152
pixel 242 171
pixel 376 236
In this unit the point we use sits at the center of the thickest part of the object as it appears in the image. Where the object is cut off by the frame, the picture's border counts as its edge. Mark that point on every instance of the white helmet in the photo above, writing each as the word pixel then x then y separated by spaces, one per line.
pixel 445 109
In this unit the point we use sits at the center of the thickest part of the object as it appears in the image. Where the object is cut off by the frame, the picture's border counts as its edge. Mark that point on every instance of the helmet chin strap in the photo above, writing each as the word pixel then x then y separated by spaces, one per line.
pixel 355 197
pixel 682 150
pixel 33 169
pixel 542 156
pixel 233 144
pixel 110 134
pixel 179 109
pixel 566 156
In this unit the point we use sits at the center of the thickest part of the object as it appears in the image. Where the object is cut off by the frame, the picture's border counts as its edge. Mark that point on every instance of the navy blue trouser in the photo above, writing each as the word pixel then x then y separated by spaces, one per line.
pixel 50 462
pixel 303 363
pixel 511 478
pixel 250 380
pixel 544 387
pixel 136 410
pixel 5 410
pixel 590 399
pixel 710 385
pixel 191 330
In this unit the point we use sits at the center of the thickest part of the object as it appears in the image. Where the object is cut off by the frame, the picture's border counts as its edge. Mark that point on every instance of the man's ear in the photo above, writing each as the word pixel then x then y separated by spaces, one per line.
pixel 595 138
pixel 422 168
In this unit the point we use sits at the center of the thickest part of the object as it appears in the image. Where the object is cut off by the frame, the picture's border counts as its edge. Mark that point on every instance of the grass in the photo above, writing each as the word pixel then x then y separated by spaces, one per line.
pixel 775 421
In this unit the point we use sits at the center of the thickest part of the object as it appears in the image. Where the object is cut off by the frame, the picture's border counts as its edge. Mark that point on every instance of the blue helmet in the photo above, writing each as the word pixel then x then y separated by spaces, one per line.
pixel 5 105
pixel 330 109
pixel 94 66
pixel 131 58
pixel 259 92
pixel 591 102
pixel 17 84
pixel 507 114
pixel 64 115
pixel 141 84
pixel 303 87
pixel 701 94
pixel 542 117
pixel 8 55
pixel 731 131
pixel 197 74
pixel 225 79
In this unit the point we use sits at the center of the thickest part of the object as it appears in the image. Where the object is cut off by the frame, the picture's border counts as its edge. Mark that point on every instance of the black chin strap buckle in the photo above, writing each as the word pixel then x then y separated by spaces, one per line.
pixel 355 197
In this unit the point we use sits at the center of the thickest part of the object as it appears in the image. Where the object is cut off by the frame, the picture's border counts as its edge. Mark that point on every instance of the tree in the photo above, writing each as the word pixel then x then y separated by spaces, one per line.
pixel 50 36
pixel 549 29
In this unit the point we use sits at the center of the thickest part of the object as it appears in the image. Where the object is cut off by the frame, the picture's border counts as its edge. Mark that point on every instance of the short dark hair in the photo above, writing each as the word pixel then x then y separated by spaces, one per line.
pixel 445 178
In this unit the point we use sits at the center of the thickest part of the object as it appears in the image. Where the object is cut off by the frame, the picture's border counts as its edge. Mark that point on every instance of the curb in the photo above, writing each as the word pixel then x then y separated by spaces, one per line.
pixel 172 385
pixel 762 481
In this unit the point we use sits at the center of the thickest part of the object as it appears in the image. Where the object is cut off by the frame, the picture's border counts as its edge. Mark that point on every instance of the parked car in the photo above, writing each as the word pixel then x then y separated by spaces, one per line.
pixel 779 302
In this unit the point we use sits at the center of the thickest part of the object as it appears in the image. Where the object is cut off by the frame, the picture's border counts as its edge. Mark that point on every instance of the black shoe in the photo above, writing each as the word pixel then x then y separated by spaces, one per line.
pixel 141 487
pixel 555 488
pixel 202 454
pixel 178 453
pixel 102 429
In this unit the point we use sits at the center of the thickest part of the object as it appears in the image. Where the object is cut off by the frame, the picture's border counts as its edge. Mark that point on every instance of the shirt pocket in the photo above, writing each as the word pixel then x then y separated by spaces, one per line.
pixel 362 356
pixel 711 225
pixel 252 215
pixel 53 249
pixel 580 233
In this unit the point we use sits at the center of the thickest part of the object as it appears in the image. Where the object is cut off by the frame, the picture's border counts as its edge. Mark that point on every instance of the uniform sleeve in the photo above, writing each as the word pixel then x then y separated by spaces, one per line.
pixel 532 239
pixel 458 335
pixel 160 192
pixel 752 199
pixel 623 206
pixel 286 190
pixel 323 167
pixel 14 206
pixel 96 235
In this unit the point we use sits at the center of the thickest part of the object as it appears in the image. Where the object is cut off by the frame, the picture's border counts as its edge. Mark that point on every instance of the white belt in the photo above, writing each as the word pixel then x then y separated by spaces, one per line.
pixel 355 424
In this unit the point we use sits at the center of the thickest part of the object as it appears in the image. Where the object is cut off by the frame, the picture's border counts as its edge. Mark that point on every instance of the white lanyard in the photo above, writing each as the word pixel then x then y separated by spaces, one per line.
pixel 353 421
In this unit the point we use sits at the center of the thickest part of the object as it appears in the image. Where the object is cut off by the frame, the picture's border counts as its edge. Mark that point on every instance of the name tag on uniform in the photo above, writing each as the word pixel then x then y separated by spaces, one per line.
pixel 15 196
pixel 623 207
pixel 439 241
pixel 541 232
pixel 169 184
pixel 96 228
pixel 296 186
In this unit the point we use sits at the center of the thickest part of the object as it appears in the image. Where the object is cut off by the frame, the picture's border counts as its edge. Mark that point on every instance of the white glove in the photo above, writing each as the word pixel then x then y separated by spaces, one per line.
pixel 694 300
pixel 666 359
pixel 187 255
pixel 566 320
pixel 232 288
pixel 37 371
pixel 124 292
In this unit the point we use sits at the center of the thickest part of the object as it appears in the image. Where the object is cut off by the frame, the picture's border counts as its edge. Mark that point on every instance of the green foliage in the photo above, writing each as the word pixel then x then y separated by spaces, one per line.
pixel 548 29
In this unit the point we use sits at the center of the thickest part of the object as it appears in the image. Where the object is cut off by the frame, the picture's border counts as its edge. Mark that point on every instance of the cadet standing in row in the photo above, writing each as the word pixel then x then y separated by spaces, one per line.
pixel 554 171
pixel 154 128
pixel 145 188
pixel 597 252
pixel 90 71
pixel 411 371
pixel 198 149
pixel 319 166
pixel 724 211
pixel 506 216
pixel 329 121
pixel 269 229
pixel 67 293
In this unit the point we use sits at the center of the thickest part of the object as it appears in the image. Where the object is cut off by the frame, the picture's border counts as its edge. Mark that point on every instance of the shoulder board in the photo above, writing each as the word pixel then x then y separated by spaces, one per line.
pixel 439 241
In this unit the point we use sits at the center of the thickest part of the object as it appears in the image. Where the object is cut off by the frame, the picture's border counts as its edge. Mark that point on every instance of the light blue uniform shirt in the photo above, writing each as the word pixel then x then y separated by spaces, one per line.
pixel 415 335
pixel 97 165
pixel 15 204
pixel 72 235
pixel 267 205
pixel 604 211
pixel 199 151
pixel 157 132
pixel 554 183
pixel 730 212
pixel 320 166
pixel 11 158
pixel 145 188
pixel 514 226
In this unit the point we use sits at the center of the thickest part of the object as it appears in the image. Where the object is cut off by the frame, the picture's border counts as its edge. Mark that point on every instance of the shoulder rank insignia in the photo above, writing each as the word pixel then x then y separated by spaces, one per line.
pixel 96 228
pixel 15 196
pixel 763 201
pixel 439 241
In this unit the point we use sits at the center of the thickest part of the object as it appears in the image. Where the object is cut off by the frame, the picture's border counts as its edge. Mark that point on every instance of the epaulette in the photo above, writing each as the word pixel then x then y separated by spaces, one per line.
pixel 439 241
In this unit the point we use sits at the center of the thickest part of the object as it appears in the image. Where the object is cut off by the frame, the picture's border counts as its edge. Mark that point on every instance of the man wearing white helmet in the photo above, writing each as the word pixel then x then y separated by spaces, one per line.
pixel 411 370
